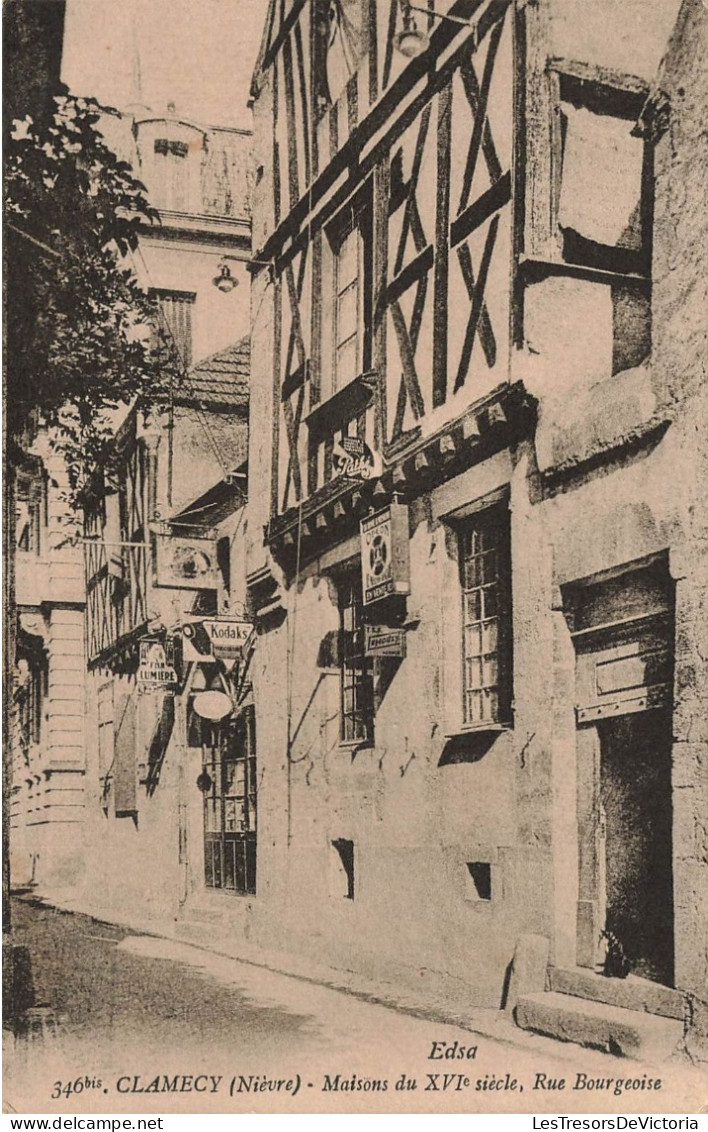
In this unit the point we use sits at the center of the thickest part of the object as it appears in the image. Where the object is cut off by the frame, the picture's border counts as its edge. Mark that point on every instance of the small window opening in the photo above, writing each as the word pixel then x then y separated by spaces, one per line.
pixel 345 852
pixel 166 146
pixel 481 877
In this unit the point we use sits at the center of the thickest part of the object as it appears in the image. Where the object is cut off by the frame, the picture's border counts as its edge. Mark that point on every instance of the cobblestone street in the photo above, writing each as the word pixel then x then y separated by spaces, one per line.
pixel 134 1023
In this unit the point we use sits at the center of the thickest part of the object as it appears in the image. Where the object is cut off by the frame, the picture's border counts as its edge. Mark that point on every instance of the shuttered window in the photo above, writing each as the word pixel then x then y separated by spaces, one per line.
pixel 175 324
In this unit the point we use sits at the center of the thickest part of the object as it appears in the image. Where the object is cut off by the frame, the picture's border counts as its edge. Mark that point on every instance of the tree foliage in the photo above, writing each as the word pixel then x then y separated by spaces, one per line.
pixel 78 324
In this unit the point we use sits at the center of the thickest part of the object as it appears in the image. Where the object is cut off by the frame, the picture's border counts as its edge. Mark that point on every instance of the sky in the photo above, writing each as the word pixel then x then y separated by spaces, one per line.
pixel 198 54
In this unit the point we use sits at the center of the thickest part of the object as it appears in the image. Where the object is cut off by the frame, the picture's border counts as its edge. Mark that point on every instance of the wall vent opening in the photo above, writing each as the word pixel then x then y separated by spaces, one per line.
pixel 345 867
pixel 480 873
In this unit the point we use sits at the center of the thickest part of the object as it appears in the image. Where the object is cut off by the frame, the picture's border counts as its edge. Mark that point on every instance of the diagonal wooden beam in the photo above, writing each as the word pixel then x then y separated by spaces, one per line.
pixel 411 206
pixel 481 114
pixel 292 426
pixel 486 333
pixel 478 303
pixel 409 376
pixel 471 86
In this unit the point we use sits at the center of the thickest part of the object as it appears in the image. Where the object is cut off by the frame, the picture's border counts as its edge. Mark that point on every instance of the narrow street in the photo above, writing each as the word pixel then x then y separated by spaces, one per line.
pixel 132 1023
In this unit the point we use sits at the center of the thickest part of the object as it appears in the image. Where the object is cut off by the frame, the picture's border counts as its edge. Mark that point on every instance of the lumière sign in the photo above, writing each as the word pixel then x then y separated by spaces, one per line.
pixel 156 671
pixel 385 565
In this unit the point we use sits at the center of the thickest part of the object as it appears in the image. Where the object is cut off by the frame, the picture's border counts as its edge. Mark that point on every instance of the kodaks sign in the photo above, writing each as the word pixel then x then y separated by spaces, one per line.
pixel 217 639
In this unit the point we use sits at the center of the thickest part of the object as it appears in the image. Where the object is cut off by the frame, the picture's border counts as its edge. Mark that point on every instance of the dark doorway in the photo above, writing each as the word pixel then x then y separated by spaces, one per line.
pixel 635 794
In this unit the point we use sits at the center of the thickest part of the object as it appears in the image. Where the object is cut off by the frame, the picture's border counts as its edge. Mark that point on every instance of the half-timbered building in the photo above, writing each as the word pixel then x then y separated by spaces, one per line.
pixel 163 563
pixel 467 534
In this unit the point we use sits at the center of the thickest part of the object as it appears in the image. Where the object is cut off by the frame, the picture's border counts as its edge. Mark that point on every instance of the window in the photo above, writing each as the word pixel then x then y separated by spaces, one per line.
pixel 346 310
pixel 229 784
pixel 343 874
pixel 588 219
pixel 356 670
pixel 106 738
pixel 340 44
pixel 175 324
pixel 30 701
pixel 480 880
pixel 604 205
pixel 486 619
pixel 346 327
pixel 28 510
pixel 171 167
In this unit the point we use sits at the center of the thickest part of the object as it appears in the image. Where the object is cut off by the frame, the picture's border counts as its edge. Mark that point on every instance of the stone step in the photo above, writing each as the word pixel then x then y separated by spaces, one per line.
pixel 627 1033
pixel 631 993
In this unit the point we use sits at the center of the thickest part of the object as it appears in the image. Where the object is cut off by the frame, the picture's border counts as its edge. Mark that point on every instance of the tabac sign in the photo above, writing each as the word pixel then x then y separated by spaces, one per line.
pixel 156 671
pixel 385 566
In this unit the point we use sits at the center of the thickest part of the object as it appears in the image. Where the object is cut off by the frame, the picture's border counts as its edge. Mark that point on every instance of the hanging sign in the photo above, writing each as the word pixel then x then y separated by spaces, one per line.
pixel 353 459
pixel 185 563
pixel 156 671
pixel 219 638
pixel 379 640
pixel 385 564
pixel 229 639
pixel 213 705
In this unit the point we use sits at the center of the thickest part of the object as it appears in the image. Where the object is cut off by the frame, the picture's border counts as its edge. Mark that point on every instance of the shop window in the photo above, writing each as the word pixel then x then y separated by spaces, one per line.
pixel 344 862
pixel 356 669
pixel 485 577
pixel 229 785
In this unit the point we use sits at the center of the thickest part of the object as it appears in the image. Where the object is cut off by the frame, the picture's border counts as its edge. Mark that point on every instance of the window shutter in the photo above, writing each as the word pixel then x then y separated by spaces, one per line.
pixel 125 769
pixel 175 320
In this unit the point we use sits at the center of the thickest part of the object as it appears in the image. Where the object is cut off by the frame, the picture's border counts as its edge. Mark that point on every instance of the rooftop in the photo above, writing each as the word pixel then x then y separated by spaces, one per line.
pixel 221 380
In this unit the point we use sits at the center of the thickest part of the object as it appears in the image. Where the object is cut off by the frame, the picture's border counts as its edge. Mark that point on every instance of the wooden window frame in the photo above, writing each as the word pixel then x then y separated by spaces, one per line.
pixel 487 532
pixel 356 216
pixel 356 671
pixel 571 86
pixel 218 752
pixel 549 82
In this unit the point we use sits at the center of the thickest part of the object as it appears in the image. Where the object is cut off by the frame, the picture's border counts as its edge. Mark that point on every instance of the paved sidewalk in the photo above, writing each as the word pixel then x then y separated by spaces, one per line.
pixel 432 1001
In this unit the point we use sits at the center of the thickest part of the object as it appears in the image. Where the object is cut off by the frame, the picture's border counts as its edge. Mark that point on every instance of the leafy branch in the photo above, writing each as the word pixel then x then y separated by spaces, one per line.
pixel 80 328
